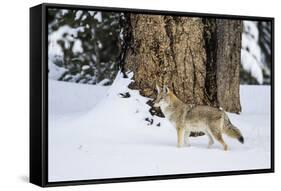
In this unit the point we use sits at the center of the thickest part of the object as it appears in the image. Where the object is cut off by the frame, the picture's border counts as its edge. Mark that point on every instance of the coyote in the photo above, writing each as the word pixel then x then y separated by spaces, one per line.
pixel 191 118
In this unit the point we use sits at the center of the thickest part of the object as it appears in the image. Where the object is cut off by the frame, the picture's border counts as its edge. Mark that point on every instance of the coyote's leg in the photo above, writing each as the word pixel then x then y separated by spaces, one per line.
pixel 186 137
pixel 180 133
pixel 222 142
pixel 211 141
pixel 218 137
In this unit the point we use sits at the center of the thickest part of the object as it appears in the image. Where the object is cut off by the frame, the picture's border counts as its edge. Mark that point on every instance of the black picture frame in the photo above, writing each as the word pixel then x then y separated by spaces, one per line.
pixel 39 96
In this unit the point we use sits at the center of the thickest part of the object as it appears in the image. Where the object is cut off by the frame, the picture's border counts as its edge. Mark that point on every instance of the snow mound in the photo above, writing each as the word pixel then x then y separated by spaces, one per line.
pixel 122 106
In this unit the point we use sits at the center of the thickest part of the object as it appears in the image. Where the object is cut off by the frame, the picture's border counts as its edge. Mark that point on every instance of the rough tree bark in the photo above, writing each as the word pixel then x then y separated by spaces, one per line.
pixel 228 63
pixel 197 58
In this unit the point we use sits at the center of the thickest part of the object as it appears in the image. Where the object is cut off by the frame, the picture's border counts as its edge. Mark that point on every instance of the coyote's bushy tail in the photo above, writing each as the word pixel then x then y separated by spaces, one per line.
pixel 232 131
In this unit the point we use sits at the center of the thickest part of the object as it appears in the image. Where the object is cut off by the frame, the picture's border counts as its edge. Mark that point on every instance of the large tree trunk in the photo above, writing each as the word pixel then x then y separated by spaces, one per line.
pixel 228 63
pixel 198 58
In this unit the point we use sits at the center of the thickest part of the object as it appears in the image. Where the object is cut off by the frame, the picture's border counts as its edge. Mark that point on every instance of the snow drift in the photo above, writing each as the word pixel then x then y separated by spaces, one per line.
pixel 96 132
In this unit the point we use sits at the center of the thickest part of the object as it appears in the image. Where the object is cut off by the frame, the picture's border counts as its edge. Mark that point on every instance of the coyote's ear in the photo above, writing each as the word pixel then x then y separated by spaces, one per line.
pixel 165 89
pixel 157 88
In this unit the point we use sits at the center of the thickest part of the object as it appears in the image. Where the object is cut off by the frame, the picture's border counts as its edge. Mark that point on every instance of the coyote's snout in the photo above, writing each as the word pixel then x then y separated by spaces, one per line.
pixel 191 118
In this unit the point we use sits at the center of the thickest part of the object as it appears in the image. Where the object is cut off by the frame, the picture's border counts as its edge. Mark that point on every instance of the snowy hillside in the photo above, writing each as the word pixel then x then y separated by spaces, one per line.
pixel 94 132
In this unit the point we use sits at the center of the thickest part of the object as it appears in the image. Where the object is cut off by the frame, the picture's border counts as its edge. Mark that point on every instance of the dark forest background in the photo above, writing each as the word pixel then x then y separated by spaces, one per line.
pixel 86 47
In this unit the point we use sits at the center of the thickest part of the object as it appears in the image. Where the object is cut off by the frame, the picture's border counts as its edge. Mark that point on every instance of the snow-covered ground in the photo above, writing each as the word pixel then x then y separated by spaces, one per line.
pixel 96 133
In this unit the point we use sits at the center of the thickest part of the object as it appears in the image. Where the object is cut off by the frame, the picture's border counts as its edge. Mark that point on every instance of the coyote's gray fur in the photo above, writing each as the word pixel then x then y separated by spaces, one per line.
pixel 195 118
